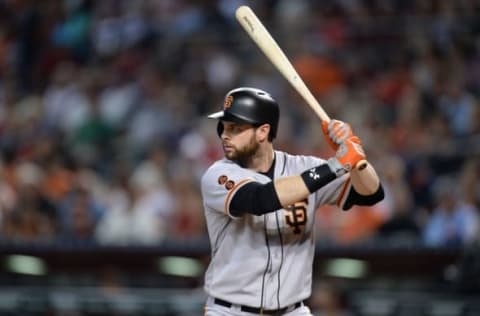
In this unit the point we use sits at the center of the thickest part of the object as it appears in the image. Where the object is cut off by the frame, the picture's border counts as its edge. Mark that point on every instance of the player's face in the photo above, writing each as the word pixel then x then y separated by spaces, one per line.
pixel 239 141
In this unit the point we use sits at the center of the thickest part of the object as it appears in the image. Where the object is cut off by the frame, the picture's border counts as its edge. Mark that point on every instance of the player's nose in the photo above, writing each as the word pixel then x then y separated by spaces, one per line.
pixel 225 135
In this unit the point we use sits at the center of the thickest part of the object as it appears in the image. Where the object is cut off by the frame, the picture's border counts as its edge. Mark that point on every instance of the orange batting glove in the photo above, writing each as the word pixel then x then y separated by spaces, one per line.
pixel 349 153
pixel 336 132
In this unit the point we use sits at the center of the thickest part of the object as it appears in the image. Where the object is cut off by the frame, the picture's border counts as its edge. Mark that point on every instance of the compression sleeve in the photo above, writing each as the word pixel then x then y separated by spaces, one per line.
pixel 255 198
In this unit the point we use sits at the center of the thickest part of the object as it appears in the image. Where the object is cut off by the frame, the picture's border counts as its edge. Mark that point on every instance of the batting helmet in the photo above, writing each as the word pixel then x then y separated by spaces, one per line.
pixel 249 105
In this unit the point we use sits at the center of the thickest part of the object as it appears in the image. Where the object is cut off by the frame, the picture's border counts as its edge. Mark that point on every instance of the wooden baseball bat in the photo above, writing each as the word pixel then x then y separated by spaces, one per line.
pixel 259 34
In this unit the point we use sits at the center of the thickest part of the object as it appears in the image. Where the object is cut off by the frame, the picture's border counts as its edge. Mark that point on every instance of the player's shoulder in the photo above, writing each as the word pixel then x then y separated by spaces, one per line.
pixel 220 167
pixel 222 164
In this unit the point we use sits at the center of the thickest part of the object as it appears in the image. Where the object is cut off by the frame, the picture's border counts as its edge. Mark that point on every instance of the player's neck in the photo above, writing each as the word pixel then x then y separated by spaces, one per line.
pixel 263 160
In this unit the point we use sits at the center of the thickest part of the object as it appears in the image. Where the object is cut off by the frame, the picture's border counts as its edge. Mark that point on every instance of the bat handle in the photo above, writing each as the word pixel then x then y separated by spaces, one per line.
pixel 362 164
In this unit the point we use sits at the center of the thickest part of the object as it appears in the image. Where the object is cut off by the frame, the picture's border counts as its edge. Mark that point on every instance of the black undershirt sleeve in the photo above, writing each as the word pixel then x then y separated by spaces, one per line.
pixel 354 198
pixel 255 198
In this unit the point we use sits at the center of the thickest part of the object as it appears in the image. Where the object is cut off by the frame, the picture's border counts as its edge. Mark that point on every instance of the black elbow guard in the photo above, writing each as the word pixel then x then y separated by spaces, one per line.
pixel 255 198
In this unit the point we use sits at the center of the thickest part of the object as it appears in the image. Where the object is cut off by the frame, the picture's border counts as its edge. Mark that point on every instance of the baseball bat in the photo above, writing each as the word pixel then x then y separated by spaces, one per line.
pixel 259 34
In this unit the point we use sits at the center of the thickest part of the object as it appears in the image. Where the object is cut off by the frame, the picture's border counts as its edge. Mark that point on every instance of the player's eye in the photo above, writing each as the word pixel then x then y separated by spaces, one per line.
pixel 236 128
pixel 239 128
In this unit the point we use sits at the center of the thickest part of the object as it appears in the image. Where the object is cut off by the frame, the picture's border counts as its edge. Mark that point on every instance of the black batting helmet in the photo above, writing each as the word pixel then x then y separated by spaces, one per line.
pixel 249 105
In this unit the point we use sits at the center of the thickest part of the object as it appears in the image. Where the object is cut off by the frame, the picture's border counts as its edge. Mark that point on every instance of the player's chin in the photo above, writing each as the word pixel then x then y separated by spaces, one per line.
pixel 229 153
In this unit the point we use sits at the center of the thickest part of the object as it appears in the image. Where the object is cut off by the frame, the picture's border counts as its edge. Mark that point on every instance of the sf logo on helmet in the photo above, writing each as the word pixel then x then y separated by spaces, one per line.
pixel 228 102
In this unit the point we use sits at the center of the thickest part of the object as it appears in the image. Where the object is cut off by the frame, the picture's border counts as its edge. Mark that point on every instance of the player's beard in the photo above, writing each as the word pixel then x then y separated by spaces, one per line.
pixel 243 156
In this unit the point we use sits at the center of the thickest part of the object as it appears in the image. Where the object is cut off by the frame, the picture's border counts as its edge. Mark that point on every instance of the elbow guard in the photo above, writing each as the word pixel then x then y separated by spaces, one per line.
pixel 255 198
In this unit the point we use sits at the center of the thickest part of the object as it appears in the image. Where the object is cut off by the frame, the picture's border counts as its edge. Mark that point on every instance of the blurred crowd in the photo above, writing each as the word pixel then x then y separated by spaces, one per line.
pixel 103 135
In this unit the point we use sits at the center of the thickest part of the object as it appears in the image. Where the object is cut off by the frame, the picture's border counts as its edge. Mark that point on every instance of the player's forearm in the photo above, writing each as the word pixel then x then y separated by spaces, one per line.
pixel 296 188
pixel 290 189
pixel 365 181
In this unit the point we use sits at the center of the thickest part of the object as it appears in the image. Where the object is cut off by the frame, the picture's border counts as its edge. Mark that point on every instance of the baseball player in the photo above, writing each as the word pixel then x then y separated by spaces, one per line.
pixel 260 205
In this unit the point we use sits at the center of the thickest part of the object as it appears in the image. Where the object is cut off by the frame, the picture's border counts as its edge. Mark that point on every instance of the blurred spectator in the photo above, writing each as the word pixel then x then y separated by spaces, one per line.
pixel 401 225
pixel 188 221
pixel 34 217
pixel 321 73
pixel 123 225
pixel 66 104
pixel 151 122
pixel 142 209
pixel 79 214
pixel 73 31
pixel 117 98
pixel 454 221
pixel 420 178
pixel 459 107
pixel 59 177
pixel 92 140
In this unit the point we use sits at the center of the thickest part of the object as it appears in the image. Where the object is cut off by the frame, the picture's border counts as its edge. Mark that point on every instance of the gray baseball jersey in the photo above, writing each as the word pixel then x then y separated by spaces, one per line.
pixel 262 261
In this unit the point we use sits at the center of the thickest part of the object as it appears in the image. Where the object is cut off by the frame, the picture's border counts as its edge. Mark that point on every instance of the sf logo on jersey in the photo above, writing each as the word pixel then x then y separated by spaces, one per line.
pixel 296 215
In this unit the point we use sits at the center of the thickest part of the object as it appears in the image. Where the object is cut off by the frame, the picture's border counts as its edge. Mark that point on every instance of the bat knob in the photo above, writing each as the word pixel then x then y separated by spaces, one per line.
pixel 362 165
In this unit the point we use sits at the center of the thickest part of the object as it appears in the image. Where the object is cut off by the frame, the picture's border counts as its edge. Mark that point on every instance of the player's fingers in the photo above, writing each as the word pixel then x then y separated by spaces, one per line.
pixel 340 131
pixel 333 127
pixel 332 124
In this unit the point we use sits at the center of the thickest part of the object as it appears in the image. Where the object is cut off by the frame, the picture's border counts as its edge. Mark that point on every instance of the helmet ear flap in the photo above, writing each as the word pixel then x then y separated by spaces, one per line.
pixel 220 128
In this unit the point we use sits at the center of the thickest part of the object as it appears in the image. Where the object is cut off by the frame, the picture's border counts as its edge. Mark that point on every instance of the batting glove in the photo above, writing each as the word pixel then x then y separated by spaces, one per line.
pixel 348 154
pixel 336 132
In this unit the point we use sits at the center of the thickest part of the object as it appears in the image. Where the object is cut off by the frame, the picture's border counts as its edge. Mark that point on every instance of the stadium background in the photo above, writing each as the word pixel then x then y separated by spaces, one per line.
pixel 103 138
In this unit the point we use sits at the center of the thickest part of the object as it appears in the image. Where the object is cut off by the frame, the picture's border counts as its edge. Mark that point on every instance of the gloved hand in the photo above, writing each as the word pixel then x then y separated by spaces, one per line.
pixel 336 132
pixel 348 154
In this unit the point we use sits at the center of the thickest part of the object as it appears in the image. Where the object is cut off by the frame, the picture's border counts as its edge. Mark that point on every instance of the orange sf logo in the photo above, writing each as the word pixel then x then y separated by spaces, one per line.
pixel 228 102
pixel 296 215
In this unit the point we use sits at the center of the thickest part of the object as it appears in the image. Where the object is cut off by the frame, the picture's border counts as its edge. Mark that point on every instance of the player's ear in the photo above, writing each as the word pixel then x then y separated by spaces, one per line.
pixel 263 131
